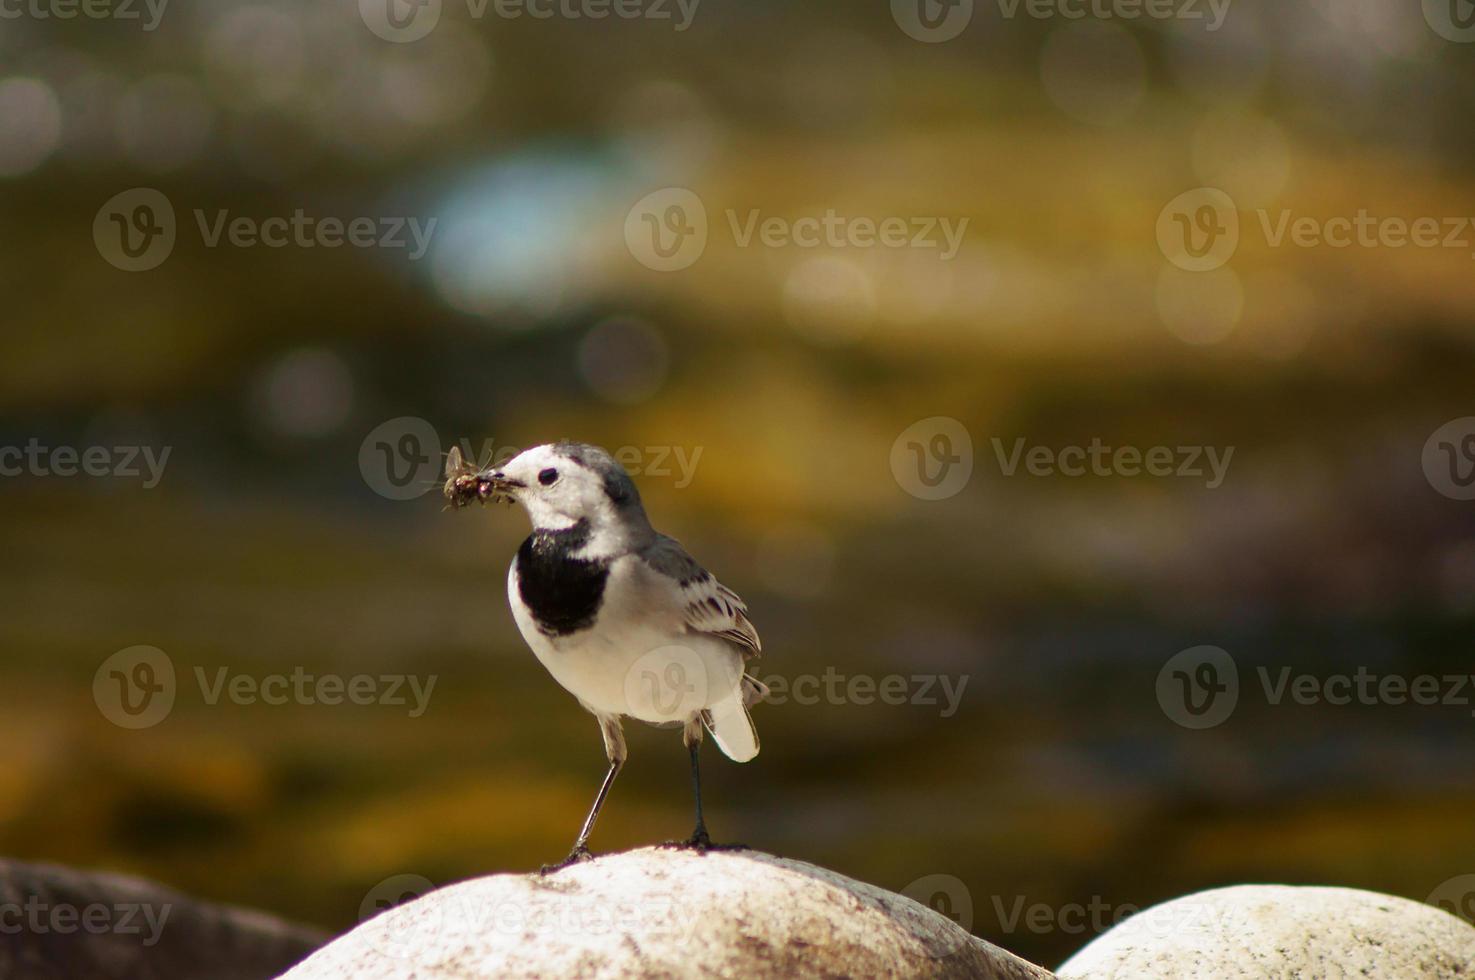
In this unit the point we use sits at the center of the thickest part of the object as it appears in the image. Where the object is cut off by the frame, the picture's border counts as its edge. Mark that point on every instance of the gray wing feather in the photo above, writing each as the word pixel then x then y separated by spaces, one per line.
pixel 709 606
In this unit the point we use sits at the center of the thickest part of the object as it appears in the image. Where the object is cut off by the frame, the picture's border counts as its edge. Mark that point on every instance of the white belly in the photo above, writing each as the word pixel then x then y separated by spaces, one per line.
pixel 638 659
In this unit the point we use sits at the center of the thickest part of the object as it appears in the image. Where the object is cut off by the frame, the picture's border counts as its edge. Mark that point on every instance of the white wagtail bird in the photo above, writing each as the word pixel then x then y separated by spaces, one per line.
pixel 619 614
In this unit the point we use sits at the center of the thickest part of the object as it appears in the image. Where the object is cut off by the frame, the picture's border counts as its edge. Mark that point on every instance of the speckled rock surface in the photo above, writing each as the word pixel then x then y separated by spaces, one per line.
pixel 659 913
pixel 1281 931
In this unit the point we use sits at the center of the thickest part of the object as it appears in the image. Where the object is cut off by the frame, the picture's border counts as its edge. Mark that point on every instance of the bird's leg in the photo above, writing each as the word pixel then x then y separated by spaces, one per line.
pixel 699 839
pixel 580 851
pixel 614 747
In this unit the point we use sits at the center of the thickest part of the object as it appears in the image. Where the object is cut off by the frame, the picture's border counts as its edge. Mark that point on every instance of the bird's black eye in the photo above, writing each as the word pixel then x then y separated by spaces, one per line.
pixel 548 476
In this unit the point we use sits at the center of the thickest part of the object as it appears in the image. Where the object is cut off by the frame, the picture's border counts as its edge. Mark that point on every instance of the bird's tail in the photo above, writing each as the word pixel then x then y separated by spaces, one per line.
pixel 732 727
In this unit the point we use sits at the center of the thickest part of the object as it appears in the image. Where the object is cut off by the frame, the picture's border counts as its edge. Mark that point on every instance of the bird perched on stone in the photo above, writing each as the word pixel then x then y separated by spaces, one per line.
pixel 619 614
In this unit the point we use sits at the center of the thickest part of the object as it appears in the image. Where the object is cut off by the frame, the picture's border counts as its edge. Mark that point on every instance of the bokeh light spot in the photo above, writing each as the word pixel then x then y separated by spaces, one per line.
pixel 30 125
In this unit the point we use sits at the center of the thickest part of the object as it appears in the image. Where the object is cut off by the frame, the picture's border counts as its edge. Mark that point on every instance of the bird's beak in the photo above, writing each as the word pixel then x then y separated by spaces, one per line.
pixel 495 483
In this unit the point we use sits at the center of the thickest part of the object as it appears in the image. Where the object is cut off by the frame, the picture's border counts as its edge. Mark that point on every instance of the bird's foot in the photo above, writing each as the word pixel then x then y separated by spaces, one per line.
pixel 578 855
pixel 701 842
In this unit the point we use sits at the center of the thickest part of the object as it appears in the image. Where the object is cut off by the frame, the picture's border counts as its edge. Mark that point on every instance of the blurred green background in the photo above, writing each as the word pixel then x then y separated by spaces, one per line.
pixel 793 371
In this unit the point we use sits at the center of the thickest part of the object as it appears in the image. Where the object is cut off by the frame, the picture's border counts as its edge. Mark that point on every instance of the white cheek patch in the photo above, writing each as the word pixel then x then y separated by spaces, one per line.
pixel 545 513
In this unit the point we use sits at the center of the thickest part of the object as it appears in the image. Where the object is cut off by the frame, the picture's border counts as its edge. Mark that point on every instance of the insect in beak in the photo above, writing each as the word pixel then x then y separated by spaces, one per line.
pixel 465 483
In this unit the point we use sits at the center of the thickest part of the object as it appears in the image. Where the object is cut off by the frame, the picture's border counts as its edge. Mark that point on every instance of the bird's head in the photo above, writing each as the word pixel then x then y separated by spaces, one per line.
pixel 562 483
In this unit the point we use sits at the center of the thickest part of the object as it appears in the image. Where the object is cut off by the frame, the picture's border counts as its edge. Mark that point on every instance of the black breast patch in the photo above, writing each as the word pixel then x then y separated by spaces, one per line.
pixel 562 592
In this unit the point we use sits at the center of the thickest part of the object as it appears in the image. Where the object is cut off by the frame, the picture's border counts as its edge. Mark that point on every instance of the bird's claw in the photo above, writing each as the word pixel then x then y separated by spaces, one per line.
pixel 578 855
pixel 701 842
